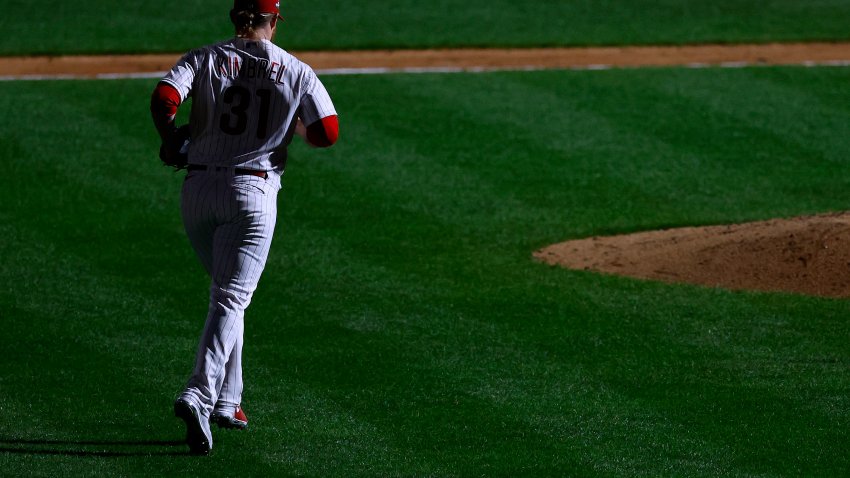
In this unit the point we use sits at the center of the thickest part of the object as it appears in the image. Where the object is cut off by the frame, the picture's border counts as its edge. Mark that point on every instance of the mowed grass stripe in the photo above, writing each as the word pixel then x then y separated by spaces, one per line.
pixel 763 97
pixel 642 142
pixel 675 126
pixel 719 144
pixel 391 368
pixel 459 152
pixel 399 338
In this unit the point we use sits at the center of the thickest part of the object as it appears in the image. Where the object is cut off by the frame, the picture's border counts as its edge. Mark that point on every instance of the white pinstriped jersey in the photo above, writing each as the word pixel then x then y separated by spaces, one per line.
pixel 246 95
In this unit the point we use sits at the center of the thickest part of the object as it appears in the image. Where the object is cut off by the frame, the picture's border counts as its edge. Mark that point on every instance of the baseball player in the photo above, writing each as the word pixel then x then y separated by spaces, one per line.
pixel 249 98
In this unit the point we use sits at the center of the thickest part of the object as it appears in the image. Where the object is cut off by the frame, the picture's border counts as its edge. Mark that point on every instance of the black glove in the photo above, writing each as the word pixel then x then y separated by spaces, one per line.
pixel 174 149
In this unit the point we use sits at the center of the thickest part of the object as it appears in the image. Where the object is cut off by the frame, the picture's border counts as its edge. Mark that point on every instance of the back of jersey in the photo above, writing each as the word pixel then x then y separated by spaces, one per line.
pixel 246 95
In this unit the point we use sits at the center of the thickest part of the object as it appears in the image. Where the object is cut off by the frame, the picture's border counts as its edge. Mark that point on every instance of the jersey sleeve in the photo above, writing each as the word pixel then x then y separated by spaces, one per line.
pixel 182 75
pixel 315 101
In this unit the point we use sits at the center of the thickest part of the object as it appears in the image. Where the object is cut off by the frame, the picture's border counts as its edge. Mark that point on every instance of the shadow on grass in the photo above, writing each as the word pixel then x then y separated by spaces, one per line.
pixel 101 448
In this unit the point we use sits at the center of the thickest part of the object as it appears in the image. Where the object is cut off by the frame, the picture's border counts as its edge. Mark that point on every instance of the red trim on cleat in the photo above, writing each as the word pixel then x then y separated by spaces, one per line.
pixel 238 420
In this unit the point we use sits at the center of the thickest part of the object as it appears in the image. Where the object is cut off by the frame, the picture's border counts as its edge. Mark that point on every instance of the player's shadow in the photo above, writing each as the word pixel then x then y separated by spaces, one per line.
pixel 98 448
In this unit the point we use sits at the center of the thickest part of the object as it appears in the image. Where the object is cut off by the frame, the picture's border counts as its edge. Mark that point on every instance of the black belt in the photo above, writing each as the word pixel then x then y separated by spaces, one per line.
pixel 237 171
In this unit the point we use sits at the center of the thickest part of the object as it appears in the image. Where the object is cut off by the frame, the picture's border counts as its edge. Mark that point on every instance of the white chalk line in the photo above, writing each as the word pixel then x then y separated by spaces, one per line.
pixel 440 69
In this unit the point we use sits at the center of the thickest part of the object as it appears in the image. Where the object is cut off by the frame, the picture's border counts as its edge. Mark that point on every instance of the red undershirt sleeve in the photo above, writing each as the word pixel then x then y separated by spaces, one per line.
pixel 323 133
pixel 164 103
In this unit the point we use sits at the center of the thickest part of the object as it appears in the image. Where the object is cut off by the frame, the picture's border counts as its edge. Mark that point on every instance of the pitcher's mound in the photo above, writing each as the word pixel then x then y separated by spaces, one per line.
pixel 808 255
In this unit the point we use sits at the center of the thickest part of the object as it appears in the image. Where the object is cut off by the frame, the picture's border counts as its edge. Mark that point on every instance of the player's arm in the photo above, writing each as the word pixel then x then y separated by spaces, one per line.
pixel 172 90
pixel 169 93
pixel 317 119
pixel 320 134
pixel 164 103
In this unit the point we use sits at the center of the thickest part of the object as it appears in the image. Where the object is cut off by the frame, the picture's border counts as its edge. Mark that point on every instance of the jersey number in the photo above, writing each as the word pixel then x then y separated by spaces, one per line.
pixel 236 120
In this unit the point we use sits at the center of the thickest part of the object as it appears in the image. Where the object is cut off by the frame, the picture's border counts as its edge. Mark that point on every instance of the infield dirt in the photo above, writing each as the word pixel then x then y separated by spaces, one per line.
pixel 464 59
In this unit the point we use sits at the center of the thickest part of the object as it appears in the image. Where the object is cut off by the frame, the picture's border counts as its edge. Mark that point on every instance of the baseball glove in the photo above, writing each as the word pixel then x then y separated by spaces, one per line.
pixel 174 149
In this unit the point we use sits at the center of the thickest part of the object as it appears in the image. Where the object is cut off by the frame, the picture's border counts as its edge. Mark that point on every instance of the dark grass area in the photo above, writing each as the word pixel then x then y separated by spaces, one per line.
pixel 401 327
pixel 101 26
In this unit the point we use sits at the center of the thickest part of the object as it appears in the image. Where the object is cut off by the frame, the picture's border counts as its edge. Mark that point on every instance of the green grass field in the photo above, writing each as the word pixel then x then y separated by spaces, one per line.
pixel 162 26
pixel 402 327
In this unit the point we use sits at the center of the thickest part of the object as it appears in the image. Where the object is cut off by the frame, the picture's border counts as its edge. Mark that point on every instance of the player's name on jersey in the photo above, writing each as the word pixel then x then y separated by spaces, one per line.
pixel 250 68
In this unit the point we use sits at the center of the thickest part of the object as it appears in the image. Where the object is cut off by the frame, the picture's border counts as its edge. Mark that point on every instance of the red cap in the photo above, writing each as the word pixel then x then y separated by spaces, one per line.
pixel 258 6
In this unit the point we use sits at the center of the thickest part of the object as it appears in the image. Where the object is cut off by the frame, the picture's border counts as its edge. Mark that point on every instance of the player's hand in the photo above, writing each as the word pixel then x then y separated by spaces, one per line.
pixel 174 148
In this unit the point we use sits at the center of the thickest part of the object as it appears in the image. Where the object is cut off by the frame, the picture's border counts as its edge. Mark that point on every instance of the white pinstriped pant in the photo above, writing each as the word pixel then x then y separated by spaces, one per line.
pixel 229 220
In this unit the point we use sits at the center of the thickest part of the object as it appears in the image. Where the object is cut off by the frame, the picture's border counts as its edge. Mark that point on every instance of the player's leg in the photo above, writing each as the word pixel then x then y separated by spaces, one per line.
pixel 228 412
pixel 240 249
pixel 198 189
pixel 223 325
pixel 198 212
pixel 230 395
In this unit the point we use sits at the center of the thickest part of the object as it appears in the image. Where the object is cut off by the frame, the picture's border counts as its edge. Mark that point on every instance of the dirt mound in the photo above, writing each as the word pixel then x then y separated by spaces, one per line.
pixel 807 255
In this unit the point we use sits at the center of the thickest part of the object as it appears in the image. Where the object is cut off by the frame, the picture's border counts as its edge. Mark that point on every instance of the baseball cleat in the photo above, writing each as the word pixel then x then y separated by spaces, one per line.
pixel 238 420
pixel 198 435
